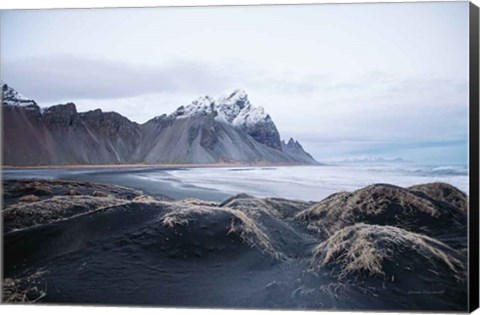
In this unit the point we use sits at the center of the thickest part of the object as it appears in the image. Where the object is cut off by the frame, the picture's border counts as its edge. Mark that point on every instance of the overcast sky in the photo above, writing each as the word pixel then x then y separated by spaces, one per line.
pixel 347 81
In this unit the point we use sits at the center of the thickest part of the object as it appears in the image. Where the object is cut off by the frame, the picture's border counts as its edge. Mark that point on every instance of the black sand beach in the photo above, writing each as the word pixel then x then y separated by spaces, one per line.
pixel 79 242
pixel 170 188
pixel 127 176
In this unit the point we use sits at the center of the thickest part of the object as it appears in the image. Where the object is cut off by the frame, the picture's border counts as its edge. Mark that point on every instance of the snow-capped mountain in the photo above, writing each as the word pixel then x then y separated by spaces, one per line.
pixel 226 108
pixel 229 129
pixel 235 109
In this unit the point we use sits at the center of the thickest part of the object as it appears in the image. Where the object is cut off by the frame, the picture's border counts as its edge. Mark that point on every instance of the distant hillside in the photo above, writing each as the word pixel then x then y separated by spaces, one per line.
pixel 374 160
pixel 229 129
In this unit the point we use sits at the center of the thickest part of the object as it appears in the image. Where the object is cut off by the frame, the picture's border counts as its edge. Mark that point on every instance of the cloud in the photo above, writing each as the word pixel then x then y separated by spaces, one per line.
pixel 69 77
pixel 421 108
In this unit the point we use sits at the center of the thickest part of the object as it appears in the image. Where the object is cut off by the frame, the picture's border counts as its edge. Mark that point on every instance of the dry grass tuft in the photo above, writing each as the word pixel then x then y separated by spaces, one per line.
pixel 198 202
pixel 382 204
pixel 144 198
pixel 445 193
pixel 240 224
pixel 98 193
pixel 273 207
pixel 34 187
pixel 23 290
pixel 73 192
pixel 22 215
pixel 41 189
pixel 29 198
pixel 172 221
pixel 15 188
pixel 253 206
pixel 248 231
pixel 364 249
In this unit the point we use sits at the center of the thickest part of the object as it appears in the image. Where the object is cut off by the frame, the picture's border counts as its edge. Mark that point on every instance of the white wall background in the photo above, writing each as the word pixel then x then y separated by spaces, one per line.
pixel 24 4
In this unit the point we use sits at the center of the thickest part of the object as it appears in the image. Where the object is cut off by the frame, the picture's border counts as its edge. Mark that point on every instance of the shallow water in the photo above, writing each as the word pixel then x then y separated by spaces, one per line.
pixel 291 182
pixel 311 182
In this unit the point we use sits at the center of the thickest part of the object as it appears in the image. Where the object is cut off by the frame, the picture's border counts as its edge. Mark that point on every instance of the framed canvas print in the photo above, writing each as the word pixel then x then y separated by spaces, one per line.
pixel 300 157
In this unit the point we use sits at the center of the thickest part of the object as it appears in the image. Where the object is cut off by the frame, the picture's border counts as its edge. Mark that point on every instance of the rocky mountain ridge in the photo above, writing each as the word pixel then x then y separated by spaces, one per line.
pixel 229 129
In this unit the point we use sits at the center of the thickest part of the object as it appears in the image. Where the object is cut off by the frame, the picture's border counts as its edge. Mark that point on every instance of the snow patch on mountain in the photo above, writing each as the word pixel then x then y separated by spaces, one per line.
pixel 201 106
pixel 250 117
pixel 229 107
pixel 234 109
pixel 10 97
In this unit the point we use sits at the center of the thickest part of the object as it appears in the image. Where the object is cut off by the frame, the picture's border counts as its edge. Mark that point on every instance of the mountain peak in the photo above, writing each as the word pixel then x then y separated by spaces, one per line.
pixel 294 148
pixel 291 142
pixel 238 98
pixel 235 109
pixel 203 101
pixel 202 105
pixel 10 97
pixel 63 109
pixel 226 108
pixel 238 94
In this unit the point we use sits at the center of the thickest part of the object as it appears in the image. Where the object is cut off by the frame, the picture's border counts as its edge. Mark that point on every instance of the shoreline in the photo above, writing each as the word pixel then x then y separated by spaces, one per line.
pixel 164 166
pixel 300 182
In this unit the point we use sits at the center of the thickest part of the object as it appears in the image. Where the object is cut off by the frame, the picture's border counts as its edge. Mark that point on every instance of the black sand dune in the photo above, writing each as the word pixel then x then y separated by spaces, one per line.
pixel 443 192
pixel 111 245
pixel 423 209
pixel 382 260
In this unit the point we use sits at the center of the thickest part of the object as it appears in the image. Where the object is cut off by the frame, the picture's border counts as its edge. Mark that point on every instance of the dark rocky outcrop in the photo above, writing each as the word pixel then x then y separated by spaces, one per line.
pixel 264 132
pixel 294 149
pixel 115 131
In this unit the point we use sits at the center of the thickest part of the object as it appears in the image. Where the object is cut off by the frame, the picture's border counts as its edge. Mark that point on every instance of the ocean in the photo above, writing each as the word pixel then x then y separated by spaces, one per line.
pixel 291 182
